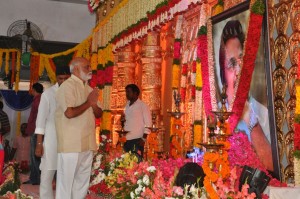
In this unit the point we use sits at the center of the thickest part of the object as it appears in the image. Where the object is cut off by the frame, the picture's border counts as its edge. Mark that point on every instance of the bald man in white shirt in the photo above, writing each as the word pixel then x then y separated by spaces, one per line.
pixel 138 117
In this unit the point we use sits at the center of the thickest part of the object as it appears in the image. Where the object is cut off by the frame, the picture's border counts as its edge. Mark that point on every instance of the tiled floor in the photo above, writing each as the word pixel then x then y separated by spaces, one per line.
pixel 32 190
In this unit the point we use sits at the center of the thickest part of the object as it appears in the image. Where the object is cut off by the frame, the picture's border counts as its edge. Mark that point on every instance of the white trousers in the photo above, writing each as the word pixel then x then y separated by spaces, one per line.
pixel 73 175
pixel 46 191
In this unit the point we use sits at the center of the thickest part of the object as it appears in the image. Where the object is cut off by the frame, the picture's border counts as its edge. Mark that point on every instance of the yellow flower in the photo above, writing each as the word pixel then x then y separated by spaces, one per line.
pixel 197 135
pixel 94 61
pixel 175 76
pixel 198 82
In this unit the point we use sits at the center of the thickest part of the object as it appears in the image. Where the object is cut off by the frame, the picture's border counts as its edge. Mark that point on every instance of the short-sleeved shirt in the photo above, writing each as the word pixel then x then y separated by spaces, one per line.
pixel 22 144
pixel 75 134
pixel 138 117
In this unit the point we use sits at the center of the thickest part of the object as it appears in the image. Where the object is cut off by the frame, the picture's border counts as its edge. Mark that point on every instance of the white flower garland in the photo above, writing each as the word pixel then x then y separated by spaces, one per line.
pixel 124 18
pixel 297 171
pixel 211 69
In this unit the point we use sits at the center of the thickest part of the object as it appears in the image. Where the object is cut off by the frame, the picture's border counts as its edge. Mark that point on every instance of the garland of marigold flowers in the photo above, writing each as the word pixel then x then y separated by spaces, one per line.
pixel 176 134
pixel 176 147
pixel 34 70
pixel 152 146
pixel 103 62
pixel 13 67
pixel 211 176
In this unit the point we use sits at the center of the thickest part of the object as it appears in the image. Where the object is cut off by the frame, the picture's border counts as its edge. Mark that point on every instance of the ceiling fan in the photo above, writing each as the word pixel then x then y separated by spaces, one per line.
pixel 25 30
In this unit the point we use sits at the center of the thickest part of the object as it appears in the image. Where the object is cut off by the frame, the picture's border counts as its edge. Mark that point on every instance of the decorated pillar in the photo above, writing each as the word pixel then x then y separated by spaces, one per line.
pixel 151 87
pixel 114 103
pixel 125 74
pixel 151 72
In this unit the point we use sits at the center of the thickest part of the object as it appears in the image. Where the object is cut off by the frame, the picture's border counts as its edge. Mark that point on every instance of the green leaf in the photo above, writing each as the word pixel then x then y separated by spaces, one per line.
pixel 202 30
pixel 198 122
pixel 176 61
pixel 297 118
pixel 221 2
pixel 258 7
pixel 297 154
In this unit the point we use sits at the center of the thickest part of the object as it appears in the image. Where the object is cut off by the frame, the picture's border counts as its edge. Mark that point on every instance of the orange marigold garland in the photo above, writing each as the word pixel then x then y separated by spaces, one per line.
pixel 211 176
pixel 176 148
pixel 152 146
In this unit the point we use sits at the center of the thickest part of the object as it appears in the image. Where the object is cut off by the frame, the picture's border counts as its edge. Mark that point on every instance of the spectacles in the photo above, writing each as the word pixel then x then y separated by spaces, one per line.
pixel 233 63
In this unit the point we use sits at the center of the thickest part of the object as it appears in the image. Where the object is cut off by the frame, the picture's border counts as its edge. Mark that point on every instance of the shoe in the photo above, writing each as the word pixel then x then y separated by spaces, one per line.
pixel 27 182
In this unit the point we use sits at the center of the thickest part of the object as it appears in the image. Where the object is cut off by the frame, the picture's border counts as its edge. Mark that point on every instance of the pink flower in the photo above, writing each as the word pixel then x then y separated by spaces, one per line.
pixel 177 50
pixel 245 188
pixel 178 190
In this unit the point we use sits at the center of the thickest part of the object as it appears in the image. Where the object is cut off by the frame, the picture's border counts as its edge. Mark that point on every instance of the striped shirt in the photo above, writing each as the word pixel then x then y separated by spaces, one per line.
pixel 4 121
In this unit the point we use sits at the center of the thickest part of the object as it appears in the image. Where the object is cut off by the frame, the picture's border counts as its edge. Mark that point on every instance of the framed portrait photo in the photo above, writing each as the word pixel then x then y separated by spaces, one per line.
pixel 229 30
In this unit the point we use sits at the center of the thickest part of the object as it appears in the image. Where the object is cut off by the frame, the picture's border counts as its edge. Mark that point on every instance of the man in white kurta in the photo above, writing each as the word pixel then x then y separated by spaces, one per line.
pixel 75 115
pixel 46 146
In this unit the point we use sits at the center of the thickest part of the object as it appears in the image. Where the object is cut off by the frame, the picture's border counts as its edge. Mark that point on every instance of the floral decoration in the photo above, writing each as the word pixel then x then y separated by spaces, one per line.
pixel 227 188
pixel 202 54
pixel 11 179
pixel 126 178
pixel 176 145
pixel 13 56
pixel 17 194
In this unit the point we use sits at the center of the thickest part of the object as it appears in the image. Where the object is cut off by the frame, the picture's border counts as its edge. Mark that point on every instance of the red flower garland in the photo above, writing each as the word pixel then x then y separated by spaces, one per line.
pixel 297 136
pixel 100 77
pixel 177 49
pixel 203 55
pixel 252 44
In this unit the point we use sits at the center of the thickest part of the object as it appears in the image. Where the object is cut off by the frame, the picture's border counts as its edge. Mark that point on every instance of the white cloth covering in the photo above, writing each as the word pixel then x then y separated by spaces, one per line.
pixel 283 192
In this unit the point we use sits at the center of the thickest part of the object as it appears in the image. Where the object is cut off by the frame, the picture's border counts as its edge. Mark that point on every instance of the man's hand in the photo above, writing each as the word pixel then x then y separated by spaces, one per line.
pixel 93 97
pixel 142 142
pixel 39 150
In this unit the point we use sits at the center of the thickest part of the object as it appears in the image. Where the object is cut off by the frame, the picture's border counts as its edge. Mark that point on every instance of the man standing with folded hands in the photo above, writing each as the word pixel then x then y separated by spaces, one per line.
pixel 77 108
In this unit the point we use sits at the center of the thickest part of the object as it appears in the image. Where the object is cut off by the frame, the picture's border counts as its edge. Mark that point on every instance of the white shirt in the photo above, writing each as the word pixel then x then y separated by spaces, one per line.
pixel 137 117
pixel 45 125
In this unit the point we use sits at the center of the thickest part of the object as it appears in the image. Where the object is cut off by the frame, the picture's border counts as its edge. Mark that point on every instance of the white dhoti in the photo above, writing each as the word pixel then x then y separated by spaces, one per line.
pixel 46 191
pixel 73 175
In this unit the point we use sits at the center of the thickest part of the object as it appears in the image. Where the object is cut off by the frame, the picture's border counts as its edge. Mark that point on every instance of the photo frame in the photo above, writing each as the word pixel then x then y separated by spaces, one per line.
pixel 229 30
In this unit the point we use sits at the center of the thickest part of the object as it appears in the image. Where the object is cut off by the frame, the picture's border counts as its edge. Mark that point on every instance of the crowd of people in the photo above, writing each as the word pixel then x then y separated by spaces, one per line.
pixel 57 143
